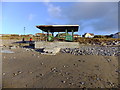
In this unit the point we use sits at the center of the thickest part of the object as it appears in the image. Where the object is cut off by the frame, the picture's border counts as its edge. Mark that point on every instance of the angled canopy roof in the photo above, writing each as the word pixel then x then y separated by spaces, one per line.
pixel 58 28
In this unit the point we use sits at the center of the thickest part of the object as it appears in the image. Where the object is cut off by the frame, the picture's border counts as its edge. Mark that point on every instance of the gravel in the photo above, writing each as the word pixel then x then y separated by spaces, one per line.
pixel 92 50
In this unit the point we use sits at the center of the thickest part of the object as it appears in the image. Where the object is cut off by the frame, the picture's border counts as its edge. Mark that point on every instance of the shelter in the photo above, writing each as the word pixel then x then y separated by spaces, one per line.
pixel 59 28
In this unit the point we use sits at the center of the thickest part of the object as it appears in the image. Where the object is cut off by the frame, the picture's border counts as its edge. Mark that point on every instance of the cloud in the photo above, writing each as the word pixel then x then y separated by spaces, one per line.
pixel 54 11
pixel 91 16
pixel 101 17
pixel 31 17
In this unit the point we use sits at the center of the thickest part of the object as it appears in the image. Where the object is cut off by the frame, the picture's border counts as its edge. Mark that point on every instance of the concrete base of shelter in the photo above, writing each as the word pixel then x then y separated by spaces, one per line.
pixel 57 44
pixel 52 48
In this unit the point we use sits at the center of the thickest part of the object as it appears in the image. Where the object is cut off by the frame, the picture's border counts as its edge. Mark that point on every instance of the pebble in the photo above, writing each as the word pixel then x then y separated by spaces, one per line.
pixel 108 60
pixel 4 45
pixel 19 72
pixel 82 83
pixel 64 66
pixel 67 78
pixel 15 74
pixel 98 79
pixel 12 47
pixel 63 81
pixel 32 49
pixel 71 83
pixel 118 71
pixel 67 73
pixel 59 73
pixel 30 72
pixel 27 49
pixel 41 74
pixel 53 69
pixel 3 74
pixel 41 63
pixel 79 60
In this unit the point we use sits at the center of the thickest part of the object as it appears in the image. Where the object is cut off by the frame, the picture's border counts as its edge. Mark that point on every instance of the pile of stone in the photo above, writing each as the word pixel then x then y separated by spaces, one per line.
pixel 100 42
pixel 111 43
pixel 104 51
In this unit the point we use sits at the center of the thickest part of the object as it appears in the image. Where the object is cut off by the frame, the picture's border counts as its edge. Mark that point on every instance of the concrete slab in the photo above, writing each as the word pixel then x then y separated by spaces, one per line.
pixel 42 44
pixel 52 48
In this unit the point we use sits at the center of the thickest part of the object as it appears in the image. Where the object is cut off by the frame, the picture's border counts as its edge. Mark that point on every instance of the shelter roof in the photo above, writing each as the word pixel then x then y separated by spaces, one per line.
pixel 58 28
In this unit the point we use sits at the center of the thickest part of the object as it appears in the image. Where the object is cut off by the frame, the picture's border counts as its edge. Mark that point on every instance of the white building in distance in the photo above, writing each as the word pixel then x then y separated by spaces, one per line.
pixel 88 35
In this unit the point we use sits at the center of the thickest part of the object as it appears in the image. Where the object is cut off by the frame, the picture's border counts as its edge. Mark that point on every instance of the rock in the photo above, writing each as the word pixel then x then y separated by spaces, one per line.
pixel 59 73
pixel 64 66
pixel 27 49
pixel 17 46
pixel 32 49
pixel 12 47
pixel 4 46
pixel 41 74
pixel 104 51
pixel 30 72
pixel 15 74
pixel 67 73
pixel 108 60
pixel 3 74
pixel 109 83
pixel 67 78
pixel 41 63
pixel 98 79
pixel 19 72
pixel 71 83
pixel 53 69
pixel 82 83
pixel 75 64
pixel 118 71
pixel 63 81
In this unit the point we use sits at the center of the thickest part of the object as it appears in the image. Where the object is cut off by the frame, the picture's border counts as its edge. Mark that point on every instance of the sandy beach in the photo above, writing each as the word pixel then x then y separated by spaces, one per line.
pixel 27 68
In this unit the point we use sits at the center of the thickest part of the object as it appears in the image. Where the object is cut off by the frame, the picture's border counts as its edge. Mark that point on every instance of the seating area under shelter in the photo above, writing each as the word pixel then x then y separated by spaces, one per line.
pixel 59 28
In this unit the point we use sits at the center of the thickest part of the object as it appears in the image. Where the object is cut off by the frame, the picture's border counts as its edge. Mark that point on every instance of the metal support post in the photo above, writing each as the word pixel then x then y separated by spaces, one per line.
pixel 48 35
pixel 66 32
pixel 52 34
pixel 72 35
pixel 58 35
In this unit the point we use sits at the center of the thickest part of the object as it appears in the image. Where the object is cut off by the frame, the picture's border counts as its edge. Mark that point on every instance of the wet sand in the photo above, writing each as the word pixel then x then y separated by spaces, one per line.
pixel 29 69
